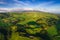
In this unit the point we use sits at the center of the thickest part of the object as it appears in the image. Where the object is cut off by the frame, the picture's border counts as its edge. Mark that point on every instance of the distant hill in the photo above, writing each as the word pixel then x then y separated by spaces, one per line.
pixel 58 15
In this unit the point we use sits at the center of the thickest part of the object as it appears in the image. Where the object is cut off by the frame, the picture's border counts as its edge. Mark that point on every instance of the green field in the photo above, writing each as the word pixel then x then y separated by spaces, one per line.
pixel 29 26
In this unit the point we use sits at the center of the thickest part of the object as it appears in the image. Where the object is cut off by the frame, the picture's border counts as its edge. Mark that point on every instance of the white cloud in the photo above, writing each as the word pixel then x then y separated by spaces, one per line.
pixel 20 9
pixel 2 2
pixel 21 2
pixel 13 9
pixel 48 7
pixel 28 9
pixel 20 5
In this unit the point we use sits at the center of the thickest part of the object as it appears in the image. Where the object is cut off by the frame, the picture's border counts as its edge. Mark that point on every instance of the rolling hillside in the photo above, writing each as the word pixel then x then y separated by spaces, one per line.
pixel 29 26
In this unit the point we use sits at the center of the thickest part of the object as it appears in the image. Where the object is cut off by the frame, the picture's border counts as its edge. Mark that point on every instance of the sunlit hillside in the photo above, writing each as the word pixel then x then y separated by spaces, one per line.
pixel 29 26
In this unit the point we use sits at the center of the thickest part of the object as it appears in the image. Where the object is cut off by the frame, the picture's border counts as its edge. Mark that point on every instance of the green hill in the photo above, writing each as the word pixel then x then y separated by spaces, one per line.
pixel 29 26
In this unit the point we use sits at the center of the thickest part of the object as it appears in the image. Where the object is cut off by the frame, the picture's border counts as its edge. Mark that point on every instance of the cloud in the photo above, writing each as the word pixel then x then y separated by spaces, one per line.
pixel 21 5
pixel 28 9
pixel 21 9
pixel 2 2
pixel 18 4
pixel 21 2
pixel 14 9
pixel 48 7
pixel 51 10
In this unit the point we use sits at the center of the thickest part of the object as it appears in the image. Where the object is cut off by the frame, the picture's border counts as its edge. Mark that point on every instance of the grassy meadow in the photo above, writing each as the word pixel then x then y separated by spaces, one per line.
pixel 29 26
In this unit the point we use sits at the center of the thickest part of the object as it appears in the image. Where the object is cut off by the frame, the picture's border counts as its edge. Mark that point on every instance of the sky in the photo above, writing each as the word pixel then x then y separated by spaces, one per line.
pixel 52 6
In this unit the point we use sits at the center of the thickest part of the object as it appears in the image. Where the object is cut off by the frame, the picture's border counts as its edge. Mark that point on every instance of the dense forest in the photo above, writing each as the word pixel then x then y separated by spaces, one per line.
pixel 29 26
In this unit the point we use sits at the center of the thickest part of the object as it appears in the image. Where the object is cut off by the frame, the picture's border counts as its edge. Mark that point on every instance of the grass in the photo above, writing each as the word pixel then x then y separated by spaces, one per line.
pixel 26 17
